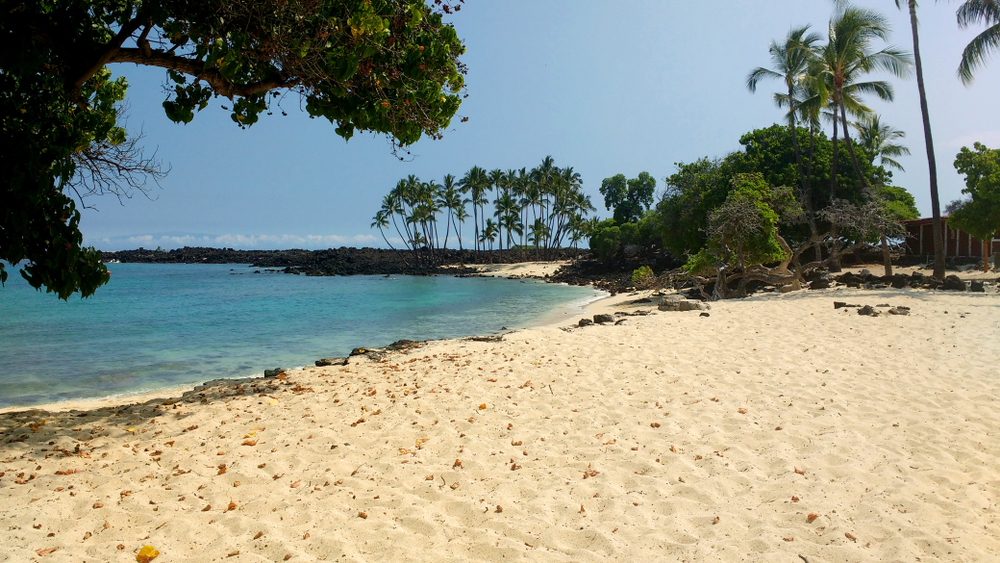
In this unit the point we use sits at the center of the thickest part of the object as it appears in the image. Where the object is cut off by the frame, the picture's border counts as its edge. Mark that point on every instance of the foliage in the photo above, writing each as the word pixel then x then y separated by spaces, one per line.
pixel 388 66
pixel 642 274
pixel 980 215
pixel 985 12
pixel 628 198
pixel 605 242
pixel 878 138
pixel 743 231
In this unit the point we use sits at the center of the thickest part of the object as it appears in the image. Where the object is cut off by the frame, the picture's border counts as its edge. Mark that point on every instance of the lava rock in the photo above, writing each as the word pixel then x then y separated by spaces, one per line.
pixel 331 362
pixel 585 322
pixel 899 281
pixel 978 286
pixel 867 311
pixel 822 283
pixel 899 311
pixel 274 372
pixel 953 283
pixel 601 319
pixel 705 315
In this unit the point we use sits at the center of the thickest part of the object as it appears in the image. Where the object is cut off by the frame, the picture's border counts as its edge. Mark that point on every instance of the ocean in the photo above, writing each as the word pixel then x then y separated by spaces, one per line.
pixel 161 326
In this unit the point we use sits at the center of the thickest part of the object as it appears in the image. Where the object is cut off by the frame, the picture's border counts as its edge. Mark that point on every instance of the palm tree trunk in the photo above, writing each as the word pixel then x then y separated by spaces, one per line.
pixel 809 195
pixel 835 262
pixel 850 147
pixel 937 230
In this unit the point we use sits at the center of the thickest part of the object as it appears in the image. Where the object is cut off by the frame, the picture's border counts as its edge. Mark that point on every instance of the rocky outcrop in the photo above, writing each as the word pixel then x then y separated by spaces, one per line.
pixel 342 261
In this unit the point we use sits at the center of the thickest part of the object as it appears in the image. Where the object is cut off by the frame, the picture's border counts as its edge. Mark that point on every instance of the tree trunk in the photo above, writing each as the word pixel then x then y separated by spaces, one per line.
pixel 938 230
pixel 835 250
pixel 986 254
pixel 850 147
pixel 886 257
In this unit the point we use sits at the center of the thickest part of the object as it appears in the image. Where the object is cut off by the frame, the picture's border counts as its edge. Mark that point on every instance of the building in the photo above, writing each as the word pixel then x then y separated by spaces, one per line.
pixel 958 244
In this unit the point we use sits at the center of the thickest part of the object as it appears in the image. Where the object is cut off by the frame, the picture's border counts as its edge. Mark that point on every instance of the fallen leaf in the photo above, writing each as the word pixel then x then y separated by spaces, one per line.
pixel 147 554
pixel 795 499
pixel 788 539
pixel 362 515
pixel 799 471
pixel 655 425
pixel 851 537
pixel 499 509
pixel 232 506
pixel 305 536
pixel 741 411
pixel 715 520
pixel 249 443
pixel 457 464
pixel 46 551
pixel 429 478
pixel 233 554
pixel 207 508
pixel 98 504
pixel 811 517
pixel 296 484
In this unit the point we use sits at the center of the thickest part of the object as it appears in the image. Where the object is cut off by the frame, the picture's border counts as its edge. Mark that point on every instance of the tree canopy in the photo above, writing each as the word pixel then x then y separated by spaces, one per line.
pixel 628 199
pixel 980 214
pixel 386 66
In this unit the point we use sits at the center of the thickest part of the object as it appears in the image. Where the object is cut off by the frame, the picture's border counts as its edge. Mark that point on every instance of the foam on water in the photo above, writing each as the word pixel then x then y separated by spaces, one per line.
pixel 157 326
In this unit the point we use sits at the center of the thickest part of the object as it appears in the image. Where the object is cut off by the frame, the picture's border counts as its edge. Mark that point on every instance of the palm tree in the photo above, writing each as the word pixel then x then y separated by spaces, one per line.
pixel 489 233
pixel 451 200
pixel 791 61
pixel 937 229
pixel 973 12
pixel 475 183
pixel 845 59
pixel 877 139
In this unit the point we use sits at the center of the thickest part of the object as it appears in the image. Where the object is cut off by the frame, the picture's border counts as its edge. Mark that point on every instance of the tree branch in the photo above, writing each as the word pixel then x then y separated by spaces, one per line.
pixel 197 69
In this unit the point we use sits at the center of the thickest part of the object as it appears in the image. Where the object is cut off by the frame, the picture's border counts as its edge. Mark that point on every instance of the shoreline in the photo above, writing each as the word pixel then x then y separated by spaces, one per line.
pixel 777 426
pixel 528 270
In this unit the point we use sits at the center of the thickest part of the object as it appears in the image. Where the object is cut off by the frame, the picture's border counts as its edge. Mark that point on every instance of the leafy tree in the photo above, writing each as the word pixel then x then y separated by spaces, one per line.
pixel 972 12
pixel 980 214
pixel 384 66
pixel 606 240
pixel 628 198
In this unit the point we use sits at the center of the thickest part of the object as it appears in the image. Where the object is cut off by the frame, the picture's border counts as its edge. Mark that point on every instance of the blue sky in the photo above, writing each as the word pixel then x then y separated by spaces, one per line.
pixel 605 87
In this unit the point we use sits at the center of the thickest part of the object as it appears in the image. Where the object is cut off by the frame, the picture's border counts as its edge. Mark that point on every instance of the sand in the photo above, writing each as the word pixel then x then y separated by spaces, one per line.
pixel 776 429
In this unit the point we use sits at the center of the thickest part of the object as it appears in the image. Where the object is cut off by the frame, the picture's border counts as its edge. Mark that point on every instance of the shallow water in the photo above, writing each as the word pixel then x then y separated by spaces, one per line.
pixel 158 326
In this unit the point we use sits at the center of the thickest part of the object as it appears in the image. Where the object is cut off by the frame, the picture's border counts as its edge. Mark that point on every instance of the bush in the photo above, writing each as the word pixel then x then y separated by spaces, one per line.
pixel 642 274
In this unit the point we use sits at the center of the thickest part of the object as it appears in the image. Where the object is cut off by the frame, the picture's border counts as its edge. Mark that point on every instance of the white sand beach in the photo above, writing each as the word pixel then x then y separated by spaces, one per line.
pixel 776 429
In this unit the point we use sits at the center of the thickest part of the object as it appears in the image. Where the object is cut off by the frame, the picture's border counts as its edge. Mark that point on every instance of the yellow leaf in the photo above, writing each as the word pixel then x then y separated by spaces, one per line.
pixel 147 554
pixel 482 407
pixel 250 435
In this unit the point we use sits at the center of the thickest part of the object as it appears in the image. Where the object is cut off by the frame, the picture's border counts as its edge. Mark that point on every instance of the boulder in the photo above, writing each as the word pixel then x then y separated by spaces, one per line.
pixel 822 283
pixel 899 311
pixel 585 322
pixel 867 311
pixel 899 281
pixel 978 286
pixel 953 283
pixel 605 318
pixel 274 372
pixel 331 362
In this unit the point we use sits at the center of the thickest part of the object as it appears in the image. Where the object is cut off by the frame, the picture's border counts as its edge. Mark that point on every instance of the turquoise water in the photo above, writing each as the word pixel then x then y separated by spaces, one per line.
pixel 158 326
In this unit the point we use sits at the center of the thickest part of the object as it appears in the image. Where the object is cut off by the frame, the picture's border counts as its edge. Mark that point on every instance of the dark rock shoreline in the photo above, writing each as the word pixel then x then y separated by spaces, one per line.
pixel 343 261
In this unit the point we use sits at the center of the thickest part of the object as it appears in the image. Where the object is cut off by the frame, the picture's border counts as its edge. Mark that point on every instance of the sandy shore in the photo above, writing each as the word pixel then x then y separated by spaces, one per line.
pixel 776 429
